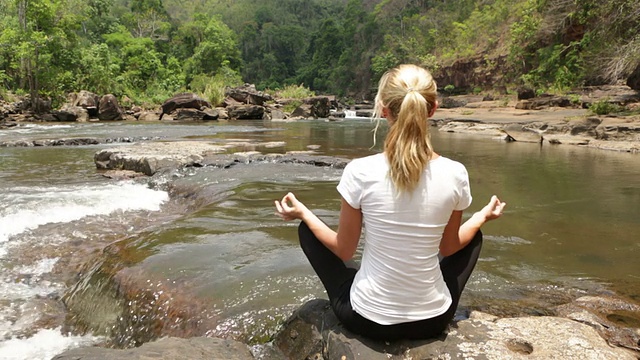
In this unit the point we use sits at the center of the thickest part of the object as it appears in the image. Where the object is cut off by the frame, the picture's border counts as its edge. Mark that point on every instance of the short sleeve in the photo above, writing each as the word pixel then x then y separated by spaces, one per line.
pixel 464 190
pixel 350 186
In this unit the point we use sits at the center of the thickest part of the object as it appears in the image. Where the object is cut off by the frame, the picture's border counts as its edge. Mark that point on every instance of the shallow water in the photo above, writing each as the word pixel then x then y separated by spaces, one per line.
pixel 229 267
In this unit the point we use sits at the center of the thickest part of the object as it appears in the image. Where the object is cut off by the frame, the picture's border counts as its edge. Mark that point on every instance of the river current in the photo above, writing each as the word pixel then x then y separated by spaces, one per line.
pixel 90 260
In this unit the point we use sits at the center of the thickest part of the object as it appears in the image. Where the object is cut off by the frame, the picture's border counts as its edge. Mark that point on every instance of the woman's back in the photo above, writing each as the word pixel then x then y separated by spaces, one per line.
pixel 400 279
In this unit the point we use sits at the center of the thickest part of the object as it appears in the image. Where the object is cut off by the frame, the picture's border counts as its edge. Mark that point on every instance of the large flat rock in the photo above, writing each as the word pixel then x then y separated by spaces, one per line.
pixel 199 348
pixel 148 158
pixel 314 332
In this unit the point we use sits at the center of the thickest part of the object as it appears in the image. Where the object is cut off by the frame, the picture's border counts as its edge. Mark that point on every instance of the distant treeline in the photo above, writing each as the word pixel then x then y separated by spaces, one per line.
pixel 151 49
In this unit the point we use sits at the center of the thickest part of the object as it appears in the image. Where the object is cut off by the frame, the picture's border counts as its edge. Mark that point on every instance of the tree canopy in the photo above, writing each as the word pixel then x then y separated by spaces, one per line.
pixel 150 49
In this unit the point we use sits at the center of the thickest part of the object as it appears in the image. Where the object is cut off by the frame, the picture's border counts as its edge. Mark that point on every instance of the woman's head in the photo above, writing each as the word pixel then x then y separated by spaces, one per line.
pixel 407 98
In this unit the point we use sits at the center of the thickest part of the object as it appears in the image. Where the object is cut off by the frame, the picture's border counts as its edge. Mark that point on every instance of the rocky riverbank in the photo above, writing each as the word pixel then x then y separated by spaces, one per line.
pixel 583 330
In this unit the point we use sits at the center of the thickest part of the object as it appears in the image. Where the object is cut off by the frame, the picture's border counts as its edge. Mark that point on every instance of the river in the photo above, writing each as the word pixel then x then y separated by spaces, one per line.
pixel 89 260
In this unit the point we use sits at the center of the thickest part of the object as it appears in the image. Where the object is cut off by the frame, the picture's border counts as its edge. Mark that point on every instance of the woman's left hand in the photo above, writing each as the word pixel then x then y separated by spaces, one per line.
pixel 290 208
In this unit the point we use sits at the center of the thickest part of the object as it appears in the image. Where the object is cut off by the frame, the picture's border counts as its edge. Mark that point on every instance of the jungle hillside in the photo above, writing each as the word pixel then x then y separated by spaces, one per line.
pixel 148 50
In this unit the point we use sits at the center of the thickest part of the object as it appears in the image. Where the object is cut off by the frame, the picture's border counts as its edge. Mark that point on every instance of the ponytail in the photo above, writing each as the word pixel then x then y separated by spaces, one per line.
pixel 408 93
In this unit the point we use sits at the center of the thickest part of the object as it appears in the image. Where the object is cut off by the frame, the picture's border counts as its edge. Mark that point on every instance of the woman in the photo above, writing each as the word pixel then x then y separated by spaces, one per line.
pixel 410 200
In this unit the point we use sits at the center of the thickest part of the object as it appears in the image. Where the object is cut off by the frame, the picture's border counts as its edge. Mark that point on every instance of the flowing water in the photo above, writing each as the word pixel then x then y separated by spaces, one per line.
pixel 89 260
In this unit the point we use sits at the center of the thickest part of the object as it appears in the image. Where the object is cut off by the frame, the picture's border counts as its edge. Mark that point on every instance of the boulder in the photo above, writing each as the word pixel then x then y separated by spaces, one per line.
pixel 109 109
pixel 198 348
pixel 148 116
pixel 313 332
pixel 247 94
pixel 71 113
pixel 320 106
pixel 187 114
pixel 86 100
pixel 246 112
pixel 544 101
pixel 304 111
pixel 450 103
pixel 525 93
pixel 184 101
pixel 633 81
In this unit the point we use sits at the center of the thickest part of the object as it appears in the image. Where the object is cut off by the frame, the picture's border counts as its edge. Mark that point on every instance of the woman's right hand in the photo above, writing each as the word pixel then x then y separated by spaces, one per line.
pixel 493 209
pixel 290 208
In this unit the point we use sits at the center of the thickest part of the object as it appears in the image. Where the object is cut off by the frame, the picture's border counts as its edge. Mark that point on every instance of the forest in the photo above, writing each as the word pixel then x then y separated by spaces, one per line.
pixel 148 50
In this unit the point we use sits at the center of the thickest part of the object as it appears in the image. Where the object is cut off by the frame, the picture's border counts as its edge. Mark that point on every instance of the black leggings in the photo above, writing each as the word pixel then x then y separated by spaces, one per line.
pixel 337 277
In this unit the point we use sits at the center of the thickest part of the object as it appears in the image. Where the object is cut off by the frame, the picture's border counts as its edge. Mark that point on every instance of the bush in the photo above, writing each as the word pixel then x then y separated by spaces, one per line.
pixel 290 107
pixel 295 92
pixel 603 107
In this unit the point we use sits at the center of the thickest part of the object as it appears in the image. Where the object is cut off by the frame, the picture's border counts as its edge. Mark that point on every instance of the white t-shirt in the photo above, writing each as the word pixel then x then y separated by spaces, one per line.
pixel 400 279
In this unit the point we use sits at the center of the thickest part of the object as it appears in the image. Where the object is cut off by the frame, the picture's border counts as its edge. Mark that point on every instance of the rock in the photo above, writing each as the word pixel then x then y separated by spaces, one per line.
pixel 613 318
pixel 246 112
pixel 451 102
pixel 148 116
pixel 517 132
pixel 525 93
pixel 187 114
pixel 633 81
pixel 69 113
pixel 277 114
pixel 122 174
pixel 148 158
pixel 544 101
pixel 197 348
pixel 222 114
pixel 247 94
pixel 313 332
pixel 304 111
pixel 210 114
pixel 184 101
pixel 86 100
pixel 320 106
pixel 109 109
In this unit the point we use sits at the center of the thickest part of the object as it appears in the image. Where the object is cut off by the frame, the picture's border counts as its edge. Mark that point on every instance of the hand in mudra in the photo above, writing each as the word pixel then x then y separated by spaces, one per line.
pixel 493 209
pixel 290 208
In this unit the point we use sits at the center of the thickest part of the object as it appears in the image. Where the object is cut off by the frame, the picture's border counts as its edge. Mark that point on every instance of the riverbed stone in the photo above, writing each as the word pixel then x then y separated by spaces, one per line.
pixel 148 158
pixel 314 332
pixel 198 348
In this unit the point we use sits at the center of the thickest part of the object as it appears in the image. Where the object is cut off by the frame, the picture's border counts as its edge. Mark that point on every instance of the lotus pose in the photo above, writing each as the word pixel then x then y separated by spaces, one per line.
pixel 410 201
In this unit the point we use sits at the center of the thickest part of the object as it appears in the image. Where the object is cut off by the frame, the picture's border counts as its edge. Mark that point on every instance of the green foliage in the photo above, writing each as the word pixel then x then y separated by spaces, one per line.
pixel 449 88
pixel 291 106
pixel 135 48
pixel 295 92
pixel 604 107
pixel 213 88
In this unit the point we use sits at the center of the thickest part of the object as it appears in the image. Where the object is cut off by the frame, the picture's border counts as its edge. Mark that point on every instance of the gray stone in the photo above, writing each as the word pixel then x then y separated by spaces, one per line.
pixel 86 100
pixel 633 81
pixel 148 158
pixel 314 332
pixel 246 112
pixel 148 116
pixel 304 111
pixel 247 94
pixel 184 101
pixel 68 113
pixel 198 348
pixel 109 109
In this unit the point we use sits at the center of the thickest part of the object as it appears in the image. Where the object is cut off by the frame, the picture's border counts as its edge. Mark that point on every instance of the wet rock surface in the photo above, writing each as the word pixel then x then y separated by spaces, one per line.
pixel 75 141
pixel 149 158
pixel 199 348
pixel 313 332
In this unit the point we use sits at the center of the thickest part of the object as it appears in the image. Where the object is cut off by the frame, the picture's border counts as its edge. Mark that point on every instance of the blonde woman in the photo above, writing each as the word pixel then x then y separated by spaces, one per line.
pixel 410 201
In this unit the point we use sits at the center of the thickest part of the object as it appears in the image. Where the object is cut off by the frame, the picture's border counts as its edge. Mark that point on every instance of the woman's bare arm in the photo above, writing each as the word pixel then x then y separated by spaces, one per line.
pixel 342 243
pixel 455 236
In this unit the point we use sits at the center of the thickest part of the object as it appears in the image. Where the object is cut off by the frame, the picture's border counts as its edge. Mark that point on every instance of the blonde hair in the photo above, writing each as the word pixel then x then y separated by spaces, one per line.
pixel 409 94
